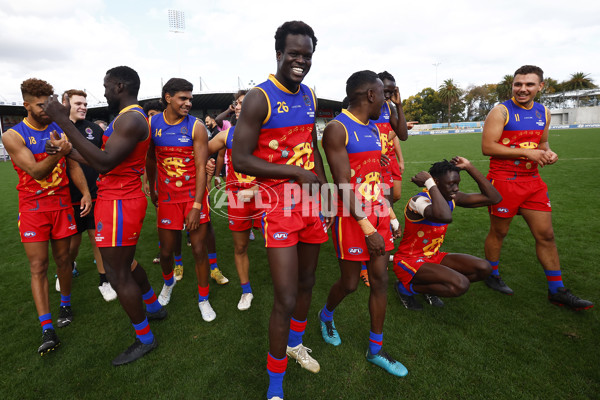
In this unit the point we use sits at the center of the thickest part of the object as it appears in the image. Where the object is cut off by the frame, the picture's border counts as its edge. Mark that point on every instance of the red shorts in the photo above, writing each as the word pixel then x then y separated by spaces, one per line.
pixel 172 215
pixel 349 239
pixel 239 213
pixel 119 222
pixel 387 178
pixel 405 268
pixel 285 228
pixel 529 194
pixel 395 168
pixel 41 226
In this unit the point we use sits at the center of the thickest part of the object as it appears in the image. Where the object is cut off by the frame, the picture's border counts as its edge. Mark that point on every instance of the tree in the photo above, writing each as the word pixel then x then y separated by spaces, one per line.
pixel 449 94
pixel 479 101
pixel 504 88
pixel 424 107
pixel 579 81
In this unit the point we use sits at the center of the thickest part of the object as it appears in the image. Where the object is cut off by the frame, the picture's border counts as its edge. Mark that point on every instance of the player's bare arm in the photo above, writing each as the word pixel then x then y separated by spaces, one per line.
pixel 128 129
pixel 200 155
pixel 492 131
pixel 438 210
pixel 24 159
pixel 334 144
pixel 218 142
pixel 488 196
pixel 247 131
pixel 397 119
pixel 151 173
pixel 80 182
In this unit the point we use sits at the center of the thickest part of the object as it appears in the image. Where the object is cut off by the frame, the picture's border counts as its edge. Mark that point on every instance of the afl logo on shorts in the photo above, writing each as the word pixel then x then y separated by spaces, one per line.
pixel 355 250
pixel 502 210
pixel 280 236
pixel 29 234
pixel 165 221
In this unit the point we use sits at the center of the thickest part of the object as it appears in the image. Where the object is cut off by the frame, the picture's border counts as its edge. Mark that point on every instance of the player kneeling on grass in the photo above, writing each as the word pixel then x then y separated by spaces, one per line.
pixel 418 263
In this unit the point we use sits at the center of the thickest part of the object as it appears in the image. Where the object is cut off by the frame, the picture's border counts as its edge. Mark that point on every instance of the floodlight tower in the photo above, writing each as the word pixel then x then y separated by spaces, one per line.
pixel 436 65
pixel 177 25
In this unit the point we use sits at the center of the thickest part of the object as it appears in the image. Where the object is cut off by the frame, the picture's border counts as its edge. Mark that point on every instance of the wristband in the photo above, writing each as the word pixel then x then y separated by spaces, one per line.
pixel 366 227
pixel 395 224
pixel 197 206
pixel 429 183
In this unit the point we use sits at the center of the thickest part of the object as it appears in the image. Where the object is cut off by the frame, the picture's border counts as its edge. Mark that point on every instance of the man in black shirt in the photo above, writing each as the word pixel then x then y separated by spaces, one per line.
pixel 81 204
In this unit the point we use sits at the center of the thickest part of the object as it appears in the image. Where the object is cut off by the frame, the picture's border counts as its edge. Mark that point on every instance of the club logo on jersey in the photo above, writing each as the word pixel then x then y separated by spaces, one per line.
pixel 306 100
pixel 528 145
pixel 174 166
pixel 355 250
pixel 301 156
pixel 54 179
pixel 29 234
pixel 369 188
pixel 537 114
pixel 165 221
pixel 184 130
pixel 280 236
pixel 434 246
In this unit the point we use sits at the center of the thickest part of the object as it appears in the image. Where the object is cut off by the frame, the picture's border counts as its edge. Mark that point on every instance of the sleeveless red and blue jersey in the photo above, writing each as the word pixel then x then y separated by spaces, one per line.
pixel 523 128
pixel 422 237
pixel 51 193
pixel 240 181
pixel 123 181
pixel 286 133
pixel 176 167
pixel 364 152
pixel 385 129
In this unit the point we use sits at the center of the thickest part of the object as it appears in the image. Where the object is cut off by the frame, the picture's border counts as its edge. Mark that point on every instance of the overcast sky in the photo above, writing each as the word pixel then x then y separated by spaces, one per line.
pixel 71 43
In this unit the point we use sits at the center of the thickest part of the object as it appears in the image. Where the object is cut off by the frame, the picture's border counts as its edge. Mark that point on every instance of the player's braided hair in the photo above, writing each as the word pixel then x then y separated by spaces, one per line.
pixel 441 168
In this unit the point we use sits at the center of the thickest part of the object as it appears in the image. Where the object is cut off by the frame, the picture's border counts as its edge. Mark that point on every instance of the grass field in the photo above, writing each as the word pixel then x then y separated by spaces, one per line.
pixel 482 345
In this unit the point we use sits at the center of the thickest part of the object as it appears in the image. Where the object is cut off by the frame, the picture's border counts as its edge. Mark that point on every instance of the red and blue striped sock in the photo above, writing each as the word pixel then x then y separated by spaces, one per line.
pixel 494 265
pixel 325 314
pixel 212 260
pixel 554 279
pixel 65 300
pixel 375 342
pixel 276 369
pixel 46 321
pixel 297 329
pixel 178 260
pixel 246 288
pixel 143 332
pixel 202 293
pixel 168 278
pixel 152 304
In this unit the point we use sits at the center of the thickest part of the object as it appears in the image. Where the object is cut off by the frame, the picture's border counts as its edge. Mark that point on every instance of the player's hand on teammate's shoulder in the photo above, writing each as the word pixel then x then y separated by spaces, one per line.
pixel 420 178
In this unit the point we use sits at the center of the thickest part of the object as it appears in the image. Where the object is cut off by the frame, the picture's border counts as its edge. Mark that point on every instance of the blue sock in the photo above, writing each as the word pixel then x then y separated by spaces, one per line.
pixel 178 260
pixel 363 266
pixel 404 291
pixel 297 329
pixel 212 260
pixel 375 342
pixel 325 314
pixel 494 265
pixel 152 304
pixel 276 370
pixel 65 300
pixel 246 288
pixel 143 332
pixel 554 279
pixel 46 321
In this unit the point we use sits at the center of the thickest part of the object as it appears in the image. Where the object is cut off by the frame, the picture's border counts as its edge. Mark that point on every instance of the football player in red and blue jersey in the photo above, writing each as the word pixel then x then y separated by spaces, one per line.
pixel 276 142
pixel 515 136
pixel 418 264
